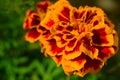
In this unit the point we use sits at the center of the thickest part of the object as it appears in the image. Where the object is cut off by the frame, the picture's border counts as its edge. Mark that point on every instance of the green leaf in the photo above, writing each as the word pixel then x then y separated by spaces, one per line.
pixel 91 77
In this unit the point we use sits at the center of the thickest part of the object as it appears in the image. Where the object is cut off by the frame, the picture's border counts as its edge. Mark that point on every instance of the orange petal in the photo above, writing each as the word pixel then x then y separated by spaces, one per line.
pixel 71 45
pixel 101 31
pixel 57 59
pixel 52 49
pixel 48 23
pixel 92 52
pixel 68 37
pixel 62 18
pixel 59 28
pixel 74 53
pixel 35 20
pixel 41 29
pixel 66 12
pixel 42 6
pixel 89 16
pixel 32 35
pixel 91 66
pixel 76 14
pixel 58 36
pixel 69 28
pixel 116 40
pixel 61 43
pixel 105 53
pixel 102 40
pixel 32 19
pixel 56 13
pixel 69 66
pixel 108 22
pixel 44 32
pixel 26 22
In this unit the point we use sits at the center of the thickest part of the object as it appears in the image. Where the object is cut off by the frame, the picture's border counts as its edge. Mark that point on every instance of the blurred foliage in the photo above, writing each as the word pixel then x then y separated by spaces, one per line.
pixel 20 60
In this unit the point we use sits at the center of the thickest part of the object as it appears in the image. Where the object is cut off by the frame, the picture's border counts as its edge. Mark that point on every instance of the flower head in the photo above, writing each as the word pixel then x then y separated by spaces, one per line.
pixel 81 40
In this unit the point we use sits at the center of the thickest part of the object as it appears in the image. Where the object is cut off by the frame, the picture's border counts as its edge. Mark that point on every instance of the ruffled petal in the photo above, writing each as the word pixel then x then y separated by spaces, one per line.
pixel 74 53
pixel 103 40
pixel 77 64
pixel 32 35
pixel 105 53
pixel 48 23
pixel 116 40
pixel 58 59
pixel 91 65
pixel 71 45
pixel 43 6
pixel 52 49
pixel 44 32
pixel 32 19
pixel 92 51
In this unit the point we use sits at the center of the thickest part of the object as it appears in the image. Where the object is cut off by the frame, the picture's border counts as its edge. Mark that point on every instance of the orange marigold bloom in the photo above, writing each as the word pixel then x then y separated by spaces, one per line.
pixel 81 40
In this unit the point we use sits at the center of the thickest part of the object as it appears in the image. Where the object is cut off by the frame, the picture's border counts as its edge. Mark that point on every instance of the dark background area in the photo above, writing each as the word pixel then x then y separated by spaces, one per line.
pixel 20 60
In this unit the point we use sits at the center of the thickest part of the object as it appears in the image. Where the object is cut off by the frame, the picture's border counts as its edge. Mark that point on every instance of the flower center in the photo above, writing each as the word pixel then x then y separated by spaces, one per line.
pixel 78 28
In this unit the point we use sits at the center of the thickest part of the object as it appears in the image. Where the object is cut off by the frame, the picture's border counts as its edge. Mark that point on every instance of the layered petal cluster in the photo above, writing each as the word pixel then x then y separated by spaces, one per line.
pixel 32 22
pixel 81 40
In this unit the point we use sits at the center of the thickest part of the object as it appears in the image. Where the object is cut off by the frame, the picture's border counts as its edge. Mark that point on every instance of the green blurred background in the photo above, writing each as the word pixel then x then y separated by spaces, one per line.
pixel 20 60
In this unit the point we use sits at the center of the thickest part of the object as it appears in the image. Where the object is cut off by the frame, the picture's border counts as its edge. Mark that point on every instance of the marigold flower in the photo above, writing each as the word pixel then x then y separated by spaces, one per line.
pixel 81 40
